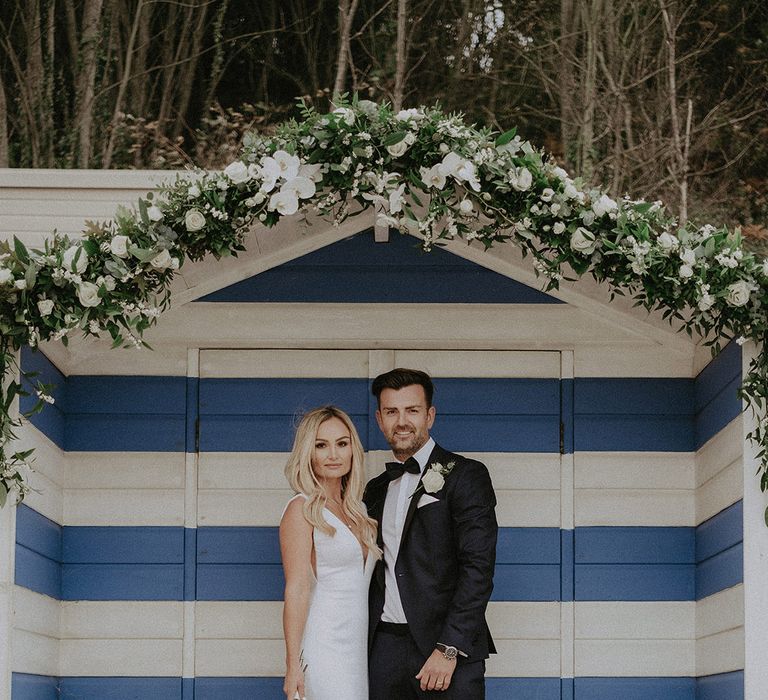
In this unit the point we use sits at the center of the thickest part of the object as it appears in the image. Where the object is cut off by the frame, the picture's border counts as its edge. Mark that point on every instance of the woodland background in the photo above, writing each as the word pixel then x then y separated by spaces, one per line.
pixel 661 99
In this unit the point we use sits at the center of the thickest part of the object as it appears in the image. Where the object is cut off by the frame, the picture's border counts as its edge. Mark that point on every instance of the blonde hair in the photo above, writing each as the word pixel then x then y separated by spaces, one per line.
pixel 302 478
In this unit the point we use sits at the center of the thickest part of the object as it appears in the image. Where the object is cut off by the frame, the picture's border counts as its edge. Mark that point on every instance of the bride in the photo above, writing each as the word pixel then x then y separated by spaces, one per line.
pixel 328 546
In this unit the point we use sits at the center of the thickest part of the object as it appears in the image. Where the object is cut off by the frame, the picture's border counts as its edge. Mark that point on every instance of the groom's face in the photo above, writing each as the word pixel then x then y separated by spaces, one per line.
pixel 405 419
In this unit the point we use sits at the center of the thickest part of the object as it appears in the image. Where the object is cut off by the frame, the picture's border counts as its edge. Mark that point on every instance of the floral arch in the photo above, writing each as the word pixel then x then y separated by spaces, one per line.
pixel 425 172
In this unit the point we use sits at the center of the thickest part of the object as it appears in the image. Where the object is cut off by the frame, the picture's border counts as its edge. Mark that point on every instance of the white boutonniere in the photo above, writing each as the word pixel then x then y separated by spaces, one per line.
pixel 434 478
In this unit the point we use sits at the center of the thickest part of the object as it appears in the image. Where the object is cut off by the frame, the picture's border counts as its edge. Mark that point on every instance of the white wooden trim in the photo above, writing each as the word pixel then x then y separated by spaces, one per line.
pixel 755 563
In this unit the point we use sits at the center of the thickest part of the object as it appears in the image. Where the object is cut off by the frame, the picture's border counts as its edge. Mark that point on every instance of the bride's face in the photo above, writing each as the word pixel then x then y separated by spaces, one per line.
pixel 332 453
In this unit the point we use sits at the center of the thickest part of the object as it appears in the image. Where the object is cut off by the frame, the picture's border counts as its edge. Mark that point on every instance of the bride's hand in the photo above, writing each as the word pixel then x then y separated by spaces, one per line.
pixel 294 684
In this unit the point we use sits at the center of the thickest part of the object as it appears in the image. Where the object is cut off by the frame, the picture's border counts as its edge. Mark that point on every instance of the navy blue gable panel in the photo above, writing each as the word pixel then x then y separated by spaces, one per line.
pixel 122 432
pixel 635 582
pixel 722 686
pixel 122 582
pixel 717 374
pixel 239 688
pixel 720 532
pixel 720 411
pixel 27 686
pixel 635 689
pixel 120 688
pixel 358 270
pixel 635 545
pixel 123 545
pixel 281 396
pixel 125 394
pixel 616 433
pixel 647 396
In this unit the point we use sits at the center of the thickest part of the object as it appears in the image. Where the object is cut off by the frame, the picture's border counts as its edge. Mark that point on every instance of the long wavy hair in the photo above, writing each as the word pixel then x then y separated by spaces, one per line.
pixel 302 478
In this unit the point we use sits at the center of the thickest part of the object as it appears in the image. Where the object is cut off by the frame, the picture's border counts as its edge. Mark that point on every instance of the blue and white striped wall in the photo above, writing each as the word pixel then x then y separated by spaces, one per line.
pixel 638 595
pixel 147 565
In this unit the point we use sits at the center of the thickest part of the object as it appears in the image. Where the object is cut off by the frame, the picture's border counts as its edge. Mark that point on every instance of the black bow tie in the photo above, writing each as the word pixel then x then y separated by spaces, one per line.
pixel 395 469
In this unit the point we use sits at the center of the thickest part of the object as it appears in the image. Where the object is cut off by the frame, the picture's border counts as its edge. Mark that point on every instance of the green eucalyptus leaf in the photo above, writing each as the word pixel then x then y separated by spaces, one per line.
pixel 506 137
pixel 21 251
pixel 393 138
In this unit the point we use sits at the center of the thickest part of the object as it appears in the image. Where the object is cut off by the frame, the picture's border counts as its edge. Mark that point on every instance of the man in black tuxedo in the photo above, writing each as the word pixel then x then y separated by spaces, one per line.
pixel 437 528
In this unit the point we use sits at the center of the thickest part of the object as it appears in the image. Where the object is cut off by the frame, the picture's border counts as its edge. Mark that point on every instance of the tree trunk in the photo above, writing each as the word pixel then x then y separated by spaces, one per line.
pixel 188 70
pixel 347 11
pixel 107 161
pixel 400 56
pixel 4 156
pixel 85 80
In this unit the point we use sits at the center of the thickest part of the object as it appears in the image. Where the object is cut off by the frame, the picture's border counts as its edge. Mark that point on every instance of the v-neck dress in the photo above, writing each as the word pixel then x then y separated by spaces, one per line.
pixel 335 643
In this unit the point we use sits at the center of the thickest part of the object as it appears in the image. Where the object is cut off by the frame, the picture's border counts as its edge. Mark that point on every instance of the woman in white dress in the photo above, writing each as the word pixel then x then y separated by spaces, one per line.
pixel 329 550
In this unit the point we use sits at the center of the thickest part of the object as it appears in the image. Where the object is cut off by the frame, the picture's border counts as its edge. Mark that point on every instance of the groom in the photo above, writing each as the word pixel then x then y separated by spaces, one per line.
pixel 437 528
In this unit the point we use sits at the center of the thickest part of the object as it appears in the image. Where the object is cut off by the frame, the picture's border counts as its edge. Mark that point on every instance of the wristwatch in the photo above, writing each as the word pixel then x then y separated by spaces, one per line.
pixel 450 653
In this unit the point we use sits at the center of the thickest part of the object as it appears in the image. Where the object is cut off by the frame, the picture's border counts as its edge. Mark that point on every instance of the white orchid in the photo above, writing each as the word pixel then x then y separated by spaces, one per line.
pixel 284 202
pixel 433 177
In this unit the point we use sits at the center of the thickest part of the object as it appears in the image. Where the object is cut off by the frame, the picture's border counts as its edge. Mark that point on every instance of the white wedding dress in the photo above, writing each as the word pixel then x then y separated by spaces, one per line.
pixel 335 644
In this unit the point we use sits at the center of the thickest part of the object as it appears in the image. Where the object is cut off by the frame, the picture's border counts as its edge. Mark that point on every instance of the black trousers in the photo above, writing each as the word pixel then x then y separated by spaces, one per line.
pixel 395 661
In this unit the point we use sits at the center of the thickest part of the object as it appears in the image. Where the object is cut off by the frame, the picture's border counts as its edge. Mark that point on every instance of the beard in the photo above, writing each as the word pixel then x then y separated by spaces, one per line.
pixel 404 446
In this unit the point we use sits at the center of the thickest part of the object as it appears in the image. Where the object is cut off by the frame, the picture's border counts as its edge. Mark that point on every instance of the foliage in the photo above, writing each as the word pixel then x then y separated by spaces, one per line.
pixel 427 173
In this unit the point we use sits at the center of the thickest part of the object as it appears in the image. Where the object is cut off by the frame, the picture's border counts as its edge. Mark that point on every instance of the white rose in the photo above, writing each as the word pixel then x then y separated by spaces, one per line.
pixel 560 173
pixel 738 293
pixel 193 191
pixel 706 302
pixel 161 261
pixel 118 246
pixel 398 149
pixel 20 284
pixel 154 213
pixel 69 256
pixel 5 275
pixel 194 220
pixel 405 114
pixel 368 108
pixel 547 194
pixel 570 191
pixel 668 242
pixel 583 241
pixel 604 205
pixel 174 264
pixel 88 294
pixel 45 307
pixel 765 267
pixel 237 172
pixel 688 256
pixel 524 180
pixel 346 114
pixel 465 206
pixel 559 227
pixel 433 481
pixel 109 283
pixel 285 202
pixel 685 272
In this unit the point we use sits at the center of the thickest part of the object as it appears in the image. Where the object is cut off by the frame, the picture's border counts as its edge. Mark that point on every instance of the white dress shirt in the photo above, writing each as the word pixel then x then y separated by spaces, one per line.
pixel 392 522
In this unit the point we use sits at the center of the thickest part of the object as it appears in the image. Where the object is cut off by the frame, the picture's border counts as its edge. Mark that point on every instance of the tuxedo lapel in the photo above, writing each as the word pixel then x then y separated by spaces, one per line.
pixel 414 499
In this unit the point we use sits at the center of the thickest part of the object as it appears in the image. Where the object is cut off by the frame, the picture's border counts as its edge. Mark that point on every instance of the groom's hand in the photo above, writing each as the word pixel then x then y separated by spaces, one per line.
pixel 437 671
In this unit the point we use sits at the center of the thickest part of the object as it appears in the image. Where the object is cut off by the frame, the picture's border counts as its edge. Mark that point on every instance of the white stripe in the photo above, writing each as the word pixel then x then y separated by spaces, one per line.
pixel 125 470
pixel 635 470
pixel 719 612
pixel 284 363
pixel 719 451
pixel 635 620
pixel 50 473
pixel 567 629
pixel 634 507
pixel 630 360
pixel 482 363
pixel 625 657
pixel 34 653
pixel 720 653
pixel 114 619
pixel 145 506
pixel 121 657
pixel 36 613
pixel 719 471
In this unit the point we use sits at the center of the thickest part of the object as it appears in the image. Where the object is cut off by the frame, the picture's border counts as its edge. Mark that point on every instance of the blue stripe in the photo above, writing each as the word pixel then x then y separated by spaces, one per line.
pixel 473 396
pixel 567 691
pixel 50 421
pixel 122 394
pixel 717 375
pixel 719 572
pixel 635 581
pixel 723 686
pixel 635 689
pixel 648 396
pixel 720 532
pixel 240 582
pixel 724 408
pixel 123 545
pixel 528 582
pixel 38 533
pixel 27 686
pixel 528 545
pixel 523 688
pixel 187 689
pixel 36 572
pixel 122 582
pixel 122 688
pixel 193 413
pixel 239 689
pixel 125 433
pixel 615 433
pixel 567 568
pixel 238 545
pixel 358 270
pixel 567 415
pixel 635 545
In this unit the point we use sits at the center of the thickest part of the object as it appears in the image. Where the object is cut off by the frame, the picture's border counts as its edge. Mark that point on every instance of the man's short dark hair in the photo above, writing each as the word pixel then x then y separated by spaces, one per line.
pixel 400 378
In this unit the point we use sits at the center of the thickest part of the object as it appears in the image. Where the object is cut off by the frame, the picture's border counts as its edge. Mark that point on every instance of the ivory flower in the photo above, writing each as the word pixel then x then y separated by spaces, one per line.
pixel 118 246
pixel 738 293
pixel 69 257
pixel 284 202
pixel 194 220
pixel 88 294
pixel 161 261
pixel 237 172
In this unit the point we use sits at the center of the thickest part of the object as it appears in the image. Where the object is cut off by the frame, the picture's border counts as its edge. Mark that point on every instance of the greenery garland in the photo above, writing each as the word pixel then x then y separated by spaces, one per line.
pixel 427 173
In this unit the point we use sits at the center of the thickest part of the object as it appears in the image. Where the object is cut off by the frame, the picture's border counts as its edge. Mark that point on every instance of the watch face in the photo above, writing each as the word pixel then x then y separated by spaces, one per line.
pixel 450 652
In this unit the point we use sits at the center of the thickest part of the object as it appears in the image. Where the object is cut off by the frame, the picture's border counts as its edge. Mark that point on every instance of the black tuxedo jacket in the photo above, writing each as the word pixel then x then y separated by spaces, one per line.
pixel 447 554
